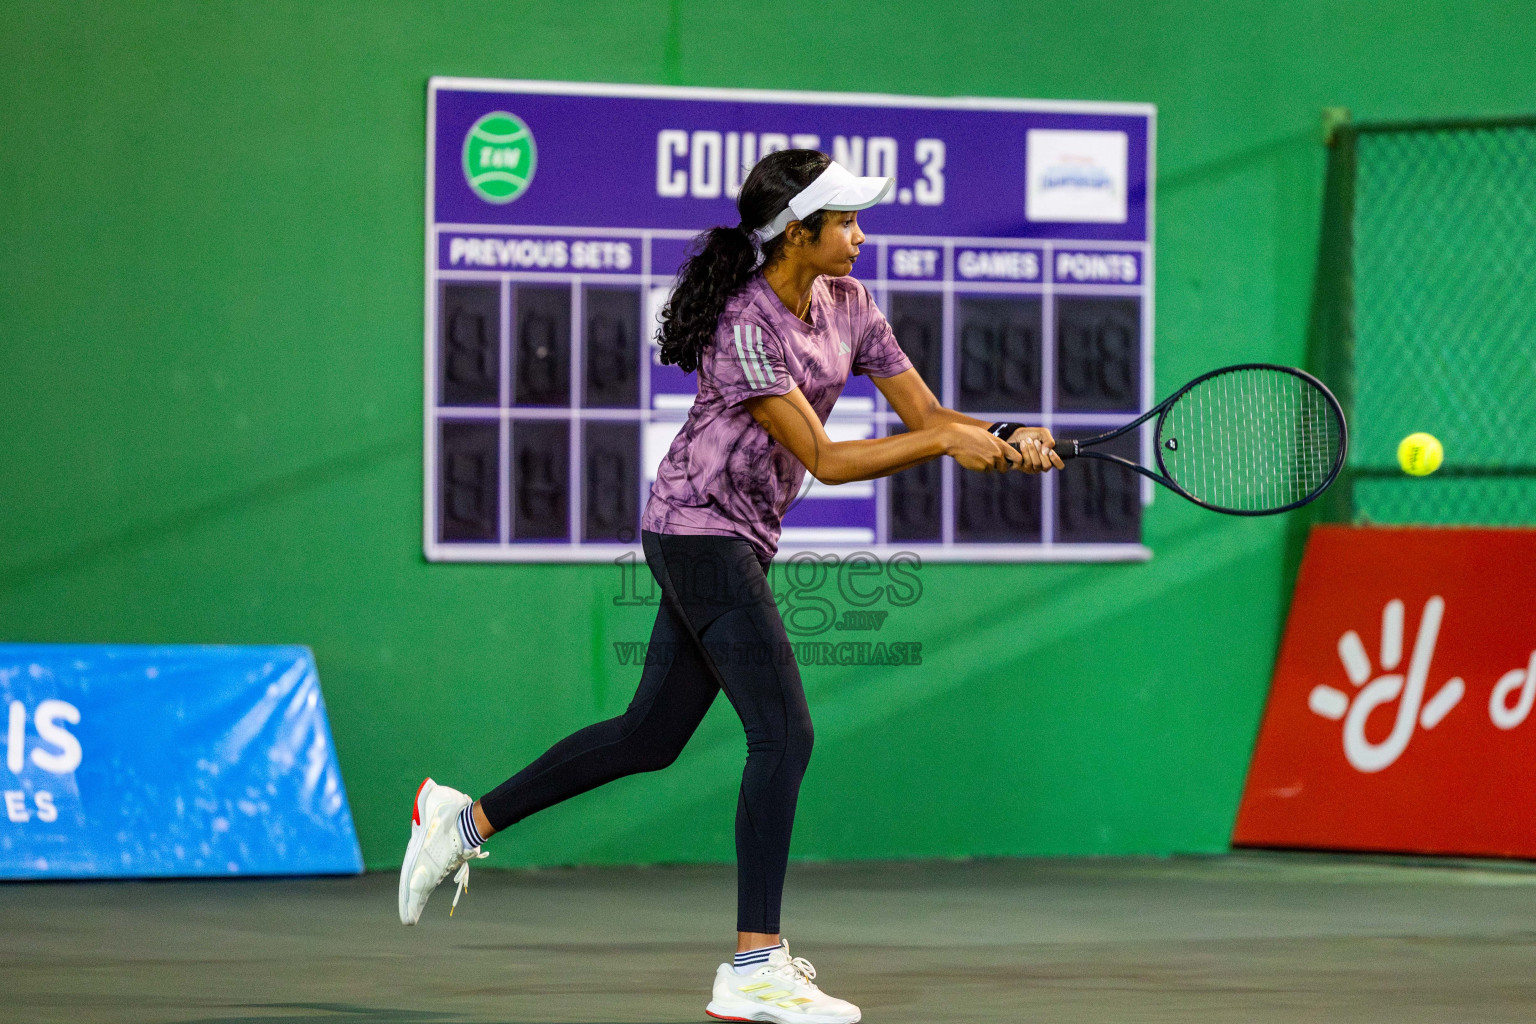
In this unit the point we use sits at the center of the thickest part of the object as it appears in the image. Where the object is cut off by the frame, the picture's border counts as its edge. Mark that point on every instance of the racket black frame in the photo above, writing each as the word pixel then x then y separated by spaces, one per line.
pixel 1076 447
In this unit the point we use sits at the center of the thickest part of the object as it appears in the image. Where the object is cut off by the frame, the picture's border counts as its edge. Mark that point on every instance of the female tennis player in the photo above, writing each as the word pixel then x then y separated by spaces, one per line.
pixel 768 316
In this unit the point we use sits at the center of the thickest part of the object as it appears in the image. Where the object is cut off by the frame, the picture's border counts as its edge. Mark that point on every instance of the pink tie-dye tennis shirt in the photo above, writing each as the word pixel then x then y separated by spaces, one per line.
pixel 723 474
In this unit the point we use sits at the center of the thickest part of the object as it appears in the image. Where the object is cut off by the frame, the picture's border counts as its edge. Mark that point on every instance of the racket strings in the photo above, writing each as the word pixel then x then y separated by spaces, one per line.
pixel 1251 440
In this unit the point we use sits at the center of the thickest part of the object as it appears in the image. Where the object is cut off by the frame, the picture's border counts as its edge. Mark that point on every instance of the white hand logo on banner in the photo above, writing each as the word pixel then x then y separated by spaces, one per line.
pixel 1522 680
pixel 1333 704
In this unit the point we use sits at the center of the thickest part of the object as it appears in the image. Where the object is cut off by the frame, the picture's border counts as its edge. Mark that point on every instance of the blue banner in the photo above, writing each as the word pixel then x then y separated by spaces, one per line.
pixel 156 761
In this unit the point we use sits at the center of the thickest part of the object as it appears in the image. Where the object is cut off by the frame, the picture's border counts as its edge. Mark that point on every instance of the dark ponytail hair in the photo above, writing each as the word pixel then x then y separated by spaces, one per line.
pixel 722 260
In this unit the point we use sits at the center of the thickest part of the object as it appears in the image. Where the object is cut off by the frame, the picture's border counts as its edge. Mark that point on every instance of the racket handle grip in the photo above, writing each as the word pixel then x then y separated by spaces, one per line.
pixel 1066 448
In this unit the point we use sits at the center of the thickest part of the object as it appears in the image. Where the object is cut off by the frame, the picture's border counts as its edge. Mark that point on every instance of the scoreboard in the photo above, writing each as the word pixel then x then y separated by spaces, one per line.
pixel 1013 260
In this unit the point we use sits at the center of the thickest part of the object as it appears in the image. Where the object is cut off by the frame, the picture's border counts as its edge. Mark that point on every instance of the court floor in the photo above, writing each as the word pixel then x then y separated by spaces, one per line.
pixel 1250 937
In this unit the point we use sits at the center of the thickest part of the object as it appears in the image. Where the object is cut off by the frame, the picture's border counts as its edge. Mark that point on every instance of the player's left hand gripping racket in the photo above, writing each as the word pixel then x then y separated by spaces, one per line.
pixel 1248 440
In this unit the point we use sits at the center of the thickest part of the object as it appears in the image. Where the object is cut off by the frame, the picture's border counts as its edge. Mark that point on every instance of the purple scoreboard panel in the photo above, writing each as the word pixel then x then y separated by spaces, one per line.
pixel 1013 260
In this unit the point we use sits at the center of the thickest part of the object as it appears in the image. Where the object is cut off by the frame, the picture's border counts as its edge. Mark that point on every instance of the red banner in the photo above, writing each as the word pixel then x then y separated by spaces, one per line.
pixel 1400 714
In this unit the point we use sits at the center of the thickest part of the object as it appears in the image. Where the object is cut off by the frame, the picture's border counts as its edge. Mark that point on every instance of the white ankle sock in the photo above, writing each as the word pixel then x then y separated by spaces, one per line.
pixel 752 959
pixel 469 835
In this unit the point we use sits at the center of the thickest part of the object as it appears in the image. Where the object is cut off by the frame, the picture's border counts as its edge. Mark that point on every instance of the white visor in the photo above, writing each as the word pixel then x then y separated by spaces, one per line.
pixel 834 189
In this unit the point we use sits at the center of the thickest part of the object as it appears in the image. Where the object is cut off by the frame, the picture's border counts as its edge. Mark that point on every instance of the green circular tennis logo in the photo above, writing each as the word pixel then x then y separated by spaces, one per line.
pixel 499 157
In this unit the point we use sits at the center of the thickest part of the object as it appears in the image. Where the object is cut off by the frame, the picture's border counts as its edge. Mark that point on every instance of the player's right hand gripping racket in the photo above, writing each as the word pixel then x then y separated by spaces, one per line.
pixel 1248 440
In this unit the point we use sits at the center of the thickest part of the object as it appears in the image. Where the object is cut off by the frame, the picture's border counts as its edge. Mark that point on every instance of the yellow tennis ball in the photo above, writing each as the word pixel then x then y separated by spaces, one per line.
pixel 1420 454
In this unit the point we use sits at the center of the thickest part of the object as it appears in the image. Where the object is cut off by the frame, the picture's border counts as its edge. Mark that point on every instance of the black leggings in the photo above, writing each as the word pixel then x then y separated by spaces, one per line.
pixel 718 628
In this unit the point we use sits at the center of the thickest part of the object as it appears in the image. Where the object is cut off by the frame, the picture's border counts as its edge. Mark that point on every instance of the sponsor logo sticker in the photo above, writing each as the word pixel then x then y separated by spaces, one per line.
pixel 1076 176
pixel 499 157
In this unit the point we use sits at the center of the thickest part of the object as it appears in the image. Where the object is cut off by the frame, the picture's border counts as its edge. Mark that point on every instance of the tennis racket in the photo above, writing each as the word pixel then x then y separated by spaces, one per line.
pixel 1247 440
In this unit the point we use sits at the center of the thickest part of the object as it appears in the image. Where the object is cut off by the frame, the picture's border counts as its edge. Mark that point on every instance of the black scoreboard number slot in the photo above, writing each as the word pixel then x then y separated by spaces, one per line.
pixel 997 347
pixel 469 504
pixel 1099 502
pixel 542 354
pixel 610 481
pixel 541 473
pixel 1098 354
pixel 917 320
pixel 997 507
pixel 469 345
pixel 914 501
pixel 612 347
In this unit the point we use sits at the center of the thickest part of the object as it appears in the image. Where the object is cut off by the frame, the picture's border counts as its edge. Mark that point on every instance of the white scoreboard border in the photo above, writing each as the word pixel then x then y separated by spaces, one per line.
pixel 573 550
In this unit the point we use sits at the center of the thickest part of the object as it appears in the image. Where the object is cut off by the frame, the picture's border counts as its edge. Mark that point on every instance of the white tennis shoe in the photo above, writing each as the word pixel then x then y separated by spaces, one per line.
pixel 782 990
pixel 435 850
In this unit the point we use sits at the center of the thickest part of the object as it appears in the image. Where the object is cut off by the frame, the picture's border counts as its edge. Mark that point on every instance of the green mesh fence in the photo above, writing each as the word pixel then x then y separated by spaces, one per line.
pixel 1443 261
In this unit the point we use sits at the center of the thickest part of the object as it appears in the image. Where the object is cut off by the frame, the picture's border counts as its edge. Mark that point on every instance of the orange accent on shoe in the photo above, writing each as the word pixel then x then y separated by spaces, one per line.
pixel 718 1017
pixel 416 803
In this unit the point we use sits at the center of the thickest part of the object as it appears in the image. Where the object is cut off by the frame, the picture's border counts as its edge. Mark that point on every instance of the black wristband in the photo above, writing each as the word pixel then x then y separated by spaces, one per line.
pixel 1004 429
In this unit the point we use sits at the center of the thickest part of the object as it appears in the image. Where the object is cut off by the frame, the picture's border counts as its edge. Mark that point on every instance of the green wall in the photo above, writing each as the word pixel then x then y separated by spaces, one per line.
pixel 210 327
